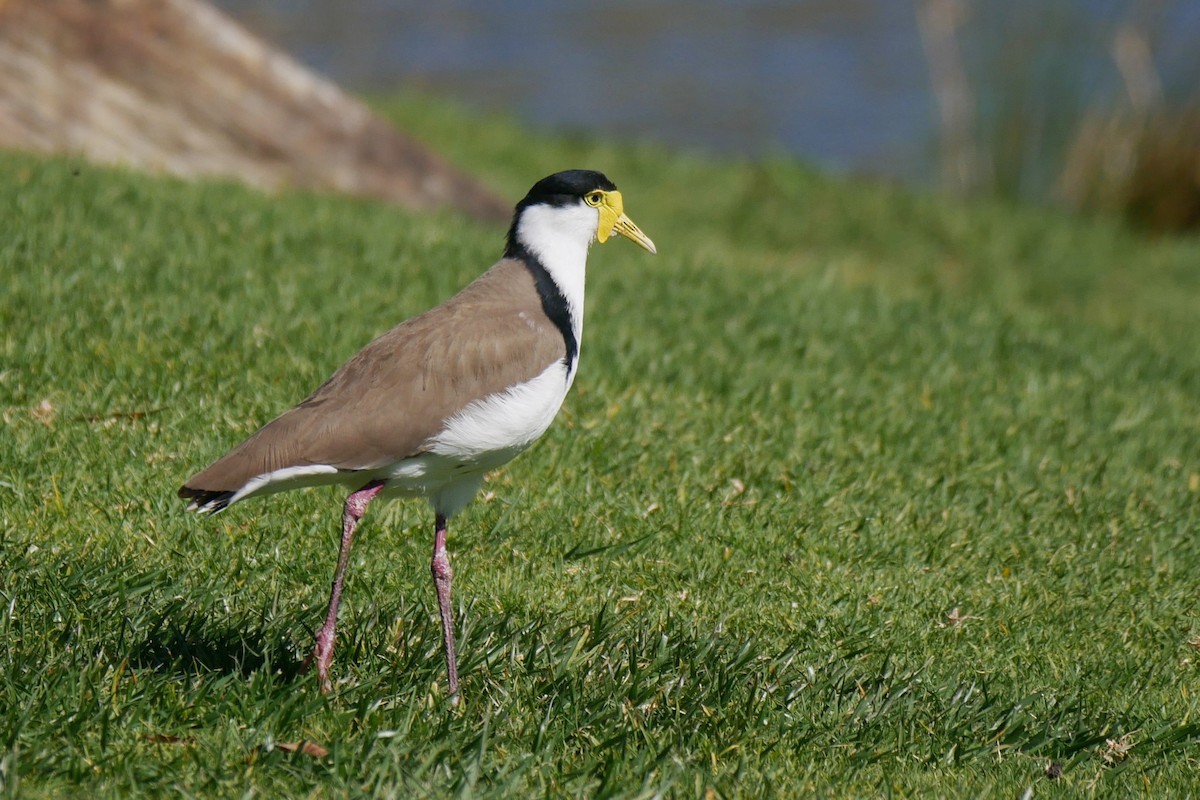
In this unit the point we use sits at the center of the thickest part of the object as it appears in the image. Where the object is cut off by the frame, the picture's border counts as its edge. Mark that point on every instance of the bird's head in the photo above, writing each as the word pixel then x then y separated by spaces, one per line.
pixel 578 204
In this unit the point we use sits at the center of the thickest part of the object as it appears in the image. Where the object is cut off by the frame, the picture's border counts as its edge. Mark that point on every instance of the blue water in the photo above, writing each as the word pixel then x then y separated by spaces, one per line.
pixel 840 82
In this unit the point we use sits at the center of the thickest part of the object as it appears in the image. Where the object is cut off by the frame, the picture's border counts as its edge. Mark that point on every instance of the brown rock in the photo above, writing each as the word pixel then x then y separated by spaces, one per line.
pixel 174 85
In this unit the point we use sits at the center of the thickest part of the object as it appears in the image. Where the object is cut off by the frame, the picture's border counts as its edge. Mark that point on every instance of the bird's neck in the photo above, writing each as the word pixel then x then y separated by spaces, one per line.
pixel 566 268
pixel 559 266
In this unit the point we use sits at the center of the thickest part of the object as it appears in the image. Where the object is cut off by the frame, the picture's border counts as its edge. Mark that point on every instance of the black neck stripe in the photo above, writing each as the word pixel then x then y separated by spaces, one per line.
pixel 554 303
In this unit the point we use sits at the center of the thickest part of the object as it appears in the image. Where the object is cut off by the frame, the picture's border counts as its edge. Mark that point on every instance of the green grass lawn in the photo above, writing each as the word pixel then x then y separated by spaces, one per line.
pixel 858 493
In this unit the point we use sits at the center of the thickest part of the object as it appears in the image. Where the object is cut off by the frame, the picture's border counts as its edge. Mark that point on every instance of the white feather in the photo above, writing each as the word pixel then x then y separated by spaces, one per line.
pixel 447 483
pixel 287 478
pixel 560 238
pixel 492 430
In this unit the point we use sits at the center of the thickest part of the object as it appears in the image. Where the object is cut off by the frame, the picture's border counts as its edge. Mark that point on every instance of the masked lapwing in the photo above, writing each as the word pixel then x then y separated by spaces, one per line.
pixel 428 408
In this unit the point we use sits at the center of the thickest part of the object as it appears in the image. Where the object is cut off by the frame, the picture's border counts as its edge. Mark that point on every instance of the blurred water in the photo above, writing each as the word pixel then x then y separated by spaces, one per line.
pixel 842 82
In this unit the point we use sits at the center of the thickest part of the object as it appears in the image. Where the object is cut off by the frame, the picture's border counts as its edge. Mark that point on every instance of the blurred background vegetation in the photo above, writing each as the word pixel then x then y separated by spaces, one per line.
pixel 1089 105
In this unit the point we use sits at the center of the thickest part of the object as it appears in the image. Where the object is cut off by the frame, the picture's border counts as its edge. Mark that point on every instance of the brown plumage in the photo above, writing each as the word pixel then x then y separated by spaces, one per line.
pixel 385 403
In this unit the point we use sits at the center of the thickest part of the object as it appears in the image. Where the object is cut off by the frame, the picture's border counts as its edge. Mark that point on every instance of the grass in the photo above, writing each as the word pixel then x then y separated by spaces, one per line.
pixel 858 493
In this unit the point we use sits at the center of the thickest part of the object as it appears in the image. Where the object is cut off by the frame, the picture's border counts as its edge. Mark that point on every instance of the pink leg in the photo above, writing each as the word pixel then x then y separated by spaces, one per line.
pixel 352 512
pixel 442 575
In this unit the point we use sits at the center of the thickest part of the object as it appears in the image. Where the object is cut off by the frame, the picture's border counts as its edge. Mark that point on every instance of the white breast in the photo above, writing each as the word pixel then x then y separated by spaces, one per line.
pixel 492 430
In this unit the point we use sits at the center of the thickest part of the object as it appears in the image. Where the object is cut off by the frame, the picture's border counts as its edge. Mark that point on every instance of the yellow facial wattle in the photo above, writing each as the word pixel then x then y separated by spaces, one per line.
pixel 613 219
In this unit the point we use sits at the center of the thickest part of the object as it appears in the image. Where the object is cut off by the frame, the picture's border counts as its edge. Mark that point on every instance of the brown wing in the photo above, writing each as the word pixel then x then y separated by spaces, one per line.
pixel 384 403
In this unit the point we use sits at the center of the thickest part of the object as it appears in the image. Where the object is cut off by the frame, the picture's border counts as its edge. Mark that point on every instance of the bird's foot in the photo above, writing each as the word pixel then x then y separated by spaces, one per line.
pixel 323 658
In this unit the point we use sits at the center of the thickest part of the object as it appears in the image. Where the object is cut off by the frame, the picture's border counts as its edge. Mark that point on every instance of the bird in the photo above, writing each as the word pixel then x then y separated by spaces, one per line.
pixel 431 406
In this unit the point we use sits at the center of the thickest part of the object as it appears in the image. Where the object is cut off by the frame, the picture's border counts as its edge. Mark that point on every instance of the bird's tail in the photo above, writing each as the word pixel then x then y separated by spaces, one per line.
pixel 205 501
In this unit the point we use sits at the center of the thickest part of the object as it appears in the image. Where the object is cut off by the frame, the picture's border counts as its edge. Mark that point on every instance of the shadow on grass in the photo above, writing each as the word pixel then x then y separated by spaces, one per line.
pixel 193 641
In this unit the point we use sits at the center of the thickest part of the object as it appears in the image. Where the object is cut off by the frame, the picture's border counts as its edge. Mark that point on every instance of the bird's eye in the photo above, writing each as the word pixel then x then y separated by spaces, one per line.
pixel 594 198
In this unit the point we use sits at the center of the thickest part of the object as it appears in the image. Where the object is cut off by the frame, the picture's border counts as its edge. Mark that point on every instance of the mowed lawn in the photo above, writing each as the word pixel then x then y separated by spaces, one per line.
pixel 859 493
